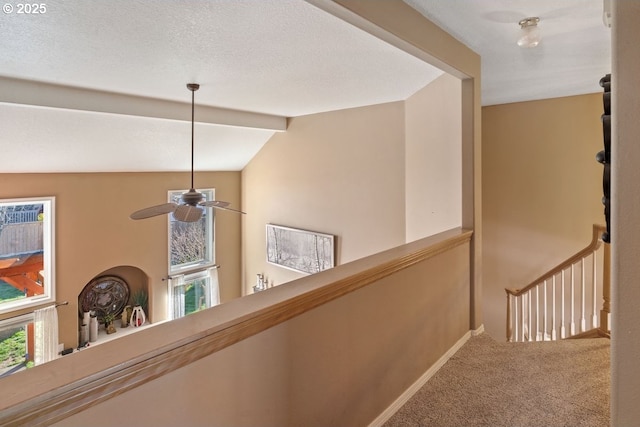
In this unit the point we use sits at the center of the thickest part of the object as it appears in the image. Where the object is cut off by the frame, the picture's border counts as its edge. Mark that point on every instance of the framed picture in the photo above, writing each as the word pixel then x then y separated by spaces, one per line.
pixel 299 250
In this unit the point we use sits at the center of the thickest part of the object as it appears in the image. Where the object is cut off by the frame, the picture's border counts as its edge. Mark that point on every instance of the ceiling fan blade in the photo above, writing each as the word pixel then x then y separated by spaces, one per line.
pixel 162 209
pixel 215 204
pixel 229 209
pixel 219 204
pixel 188 213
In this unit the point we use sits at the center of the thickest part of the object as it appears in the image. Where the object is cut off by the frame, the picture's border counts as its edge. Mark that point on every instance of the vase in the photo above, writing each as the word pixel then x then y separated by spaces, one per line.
pixel 84 334
pixel 137 317
pixel 93 329
pixel 126 315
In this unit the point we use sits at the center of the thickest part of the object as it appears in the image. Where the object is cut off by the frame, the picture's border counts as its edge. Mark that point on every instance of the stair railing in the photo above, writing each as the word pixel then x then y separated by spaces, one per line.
pixel 549 309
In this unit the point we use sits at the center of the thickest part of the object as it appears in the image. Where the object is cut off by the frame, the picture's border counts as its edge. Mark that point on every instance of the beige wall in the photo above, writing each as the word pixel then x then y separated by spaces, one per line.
pixel 375 177
pixel 340 364
pixel 542 190
pixel 625 211
pixel 94 232
pixel 433 153
pixel 339 173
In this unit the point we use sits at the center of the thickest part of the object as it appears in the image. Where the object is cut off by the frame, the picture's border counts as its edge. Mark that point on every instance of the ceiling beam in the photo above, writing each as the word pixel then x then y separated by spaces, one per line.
pixel 27 92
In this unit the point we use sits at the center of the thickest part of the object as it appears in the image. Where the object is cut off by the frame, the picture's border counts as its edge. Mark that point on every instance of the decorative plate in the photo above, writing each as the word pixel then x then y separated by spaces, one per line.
pixel 104 295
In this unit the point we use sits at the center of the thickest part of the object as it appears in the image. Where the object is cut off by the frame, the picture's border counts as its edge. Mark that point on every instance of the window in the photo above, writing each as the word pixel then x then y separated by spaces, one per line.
pixel 16 344
pixel 191 243
pixel 194 277
pixel 193 292
pixel 26 253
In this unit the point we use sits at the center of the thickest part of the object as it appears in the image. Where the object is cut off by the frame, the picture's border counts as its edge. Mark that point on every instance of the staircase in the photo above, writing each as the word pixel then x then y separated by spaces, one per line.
pixel 564 302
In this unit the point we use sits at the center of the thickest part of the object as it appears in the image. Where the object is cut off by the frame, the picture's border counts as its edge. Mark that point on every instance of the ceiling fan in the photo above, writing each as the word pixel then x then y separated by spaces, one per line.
pixel 192 203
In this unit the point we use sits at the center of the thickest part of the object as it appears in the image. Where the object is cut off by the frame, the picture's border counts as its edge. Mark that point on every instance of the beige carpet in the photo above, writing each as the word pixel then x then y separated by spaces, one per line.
pixel 490 383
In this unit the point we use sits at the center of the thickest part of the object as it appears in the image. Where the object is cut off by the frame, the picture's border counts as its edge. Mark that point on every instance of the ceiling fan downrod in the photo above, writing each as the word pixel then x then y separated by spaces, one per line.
pixel 193 87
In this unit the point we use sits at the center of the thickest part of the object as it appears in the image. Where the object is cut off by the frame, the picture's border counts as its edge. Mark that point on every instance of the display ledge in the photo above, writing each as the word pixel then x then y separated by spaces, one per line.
pixel 104 337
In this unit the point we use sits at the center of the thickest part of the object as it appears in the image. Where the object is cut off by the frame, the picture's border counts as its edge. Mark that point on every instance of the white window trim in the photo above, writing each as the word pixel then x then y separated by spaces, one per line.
pixel 48 245
pixel 181 279
pixel 192 268
pixel 17 321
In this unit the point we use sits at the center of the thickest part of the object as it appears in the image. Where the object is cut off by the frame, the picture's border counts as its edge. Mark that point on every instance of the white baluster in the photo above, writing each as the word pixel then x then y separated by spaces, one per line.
pixel 523 320
pixel 510 318
pixel 538 312
pixel 529 315
pixel 553 309
pixel 594 317
pixel 544 314
pixel 515 309
pixel 563 332
pixel 573 299
pixel 583 322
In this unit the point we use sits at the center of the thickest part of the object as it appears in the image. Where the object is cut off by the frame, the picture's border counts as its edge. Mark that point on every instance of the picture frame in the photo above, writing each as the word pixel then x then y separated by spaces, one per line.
pixel 299 250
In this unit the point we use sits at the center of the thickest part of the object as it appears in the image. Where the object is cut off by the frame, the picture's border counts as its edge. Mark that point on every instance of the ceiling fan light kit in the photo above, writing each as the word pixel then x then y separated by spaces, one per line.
pixel 530 36
pixel 192 203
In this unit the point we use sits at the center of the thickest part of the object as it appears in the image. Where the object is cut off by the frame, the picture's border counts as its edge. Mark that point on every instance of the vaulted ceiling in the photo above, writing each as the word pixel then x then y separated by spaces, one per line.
pixel 90 85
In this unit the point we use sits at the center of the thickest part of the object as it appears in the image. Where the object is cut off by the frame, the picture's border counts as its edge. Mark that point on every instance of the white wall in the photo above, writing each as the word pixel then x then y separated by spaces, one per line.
pixel 433 151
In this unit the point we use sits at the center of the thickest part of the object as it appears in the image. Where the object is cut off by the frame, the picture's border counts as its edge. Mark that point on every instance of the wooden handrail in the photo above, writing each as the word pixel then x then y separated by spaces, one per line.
pixel 598 229
pixel 223 326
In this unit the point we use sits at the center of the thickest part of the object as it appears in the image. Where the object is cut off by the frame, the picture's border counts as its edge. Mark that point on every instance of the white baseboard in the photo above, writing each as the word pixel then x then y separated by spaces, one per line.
pixel 413 389
pixel 476 332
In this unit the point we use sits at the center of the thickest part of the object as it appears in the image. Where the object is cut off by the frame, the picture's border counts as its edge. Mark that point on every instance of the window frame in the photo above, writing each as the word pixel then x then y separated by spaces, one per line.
pixel 194 267
pixel 212 292
pixel 19 321
pixel 48 254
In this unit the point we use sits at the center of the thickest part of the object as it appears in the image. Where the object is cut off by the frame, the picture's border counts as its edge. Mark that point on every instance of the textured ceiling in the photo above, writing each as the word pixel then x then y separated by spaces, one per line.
pixel 282 58
pixel 575 51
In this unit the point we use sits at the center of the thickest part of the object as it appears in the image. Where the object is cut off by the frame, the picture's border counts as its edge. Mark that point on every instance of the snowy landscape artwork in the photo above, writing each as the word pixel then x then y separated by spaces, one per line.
pixel 300 250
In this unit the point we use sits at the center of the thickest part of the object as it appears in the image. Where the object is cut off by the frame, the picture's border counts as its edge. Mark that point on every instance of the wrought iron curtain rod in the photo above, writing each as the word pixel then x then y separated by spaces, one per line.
pixel 57 304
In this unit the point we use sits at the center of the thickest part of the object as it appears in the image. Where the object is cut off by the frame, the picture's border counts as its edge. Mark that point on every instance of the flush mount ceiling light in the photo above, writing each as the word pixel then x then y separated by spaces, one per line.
pixel 530 36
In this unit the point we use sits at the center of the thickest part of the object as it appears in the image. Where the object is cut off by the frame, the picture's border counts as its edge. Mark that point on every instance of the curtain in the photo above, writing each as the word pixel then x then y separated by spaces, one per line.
pixel 214 287
pixel 46 334
pixel 176 294
pixel 205 291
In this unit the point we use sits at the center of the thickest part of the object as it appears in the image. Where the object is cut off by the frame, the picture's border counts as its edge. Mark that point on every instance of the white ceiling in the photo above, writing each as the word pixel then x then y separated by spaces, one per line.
pixel 575 51
pixel 281 58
